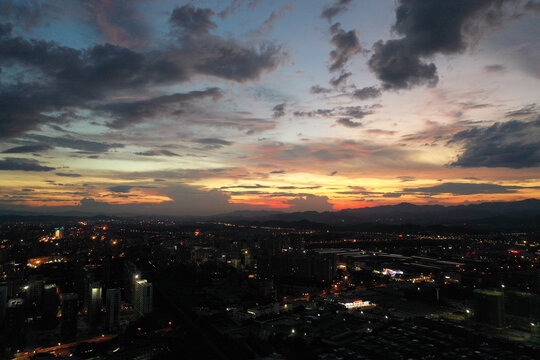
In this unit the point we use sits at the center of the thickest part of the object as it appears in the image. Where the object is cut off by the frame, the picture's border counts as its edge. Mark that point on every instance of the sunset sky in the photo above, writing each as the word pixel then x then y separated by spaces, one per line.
pixel 205 107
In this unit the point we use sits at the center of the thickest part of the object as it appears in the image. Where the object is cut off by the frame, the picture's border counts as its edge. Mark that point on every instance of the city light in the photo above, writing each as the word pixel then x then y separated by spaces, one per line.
pixel 207 179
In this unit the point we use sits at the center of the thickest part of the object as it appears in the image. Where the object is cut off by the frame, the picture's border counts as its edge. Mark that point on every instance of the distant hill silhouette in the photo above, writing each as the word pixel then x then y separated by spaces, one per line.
pixel 516 214
pixel 512 215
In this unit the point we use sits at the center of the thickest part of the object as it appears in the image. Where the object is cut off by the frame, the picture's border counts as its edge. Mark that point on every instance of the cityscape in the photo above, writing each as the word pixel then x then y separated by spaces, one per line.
pixel 111 288
pixel 269 180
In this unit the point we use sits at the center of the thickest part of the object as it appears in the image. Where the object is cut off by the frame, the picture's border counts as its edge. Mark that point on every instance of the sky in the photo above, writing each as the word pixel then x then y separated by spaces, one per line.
pixel 162 107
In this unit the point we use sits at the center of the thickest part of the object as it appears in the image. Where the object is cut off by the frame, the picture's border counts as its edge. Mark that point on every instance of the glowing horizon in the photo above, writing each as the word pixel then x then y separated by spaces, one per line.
pixel 202 108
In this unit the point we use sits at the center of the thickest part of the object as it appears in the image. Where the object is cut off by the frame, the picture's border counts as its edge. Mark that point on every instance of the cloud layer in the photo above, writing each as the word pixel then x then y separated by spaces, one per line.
pixel 513 144
pixel 429 28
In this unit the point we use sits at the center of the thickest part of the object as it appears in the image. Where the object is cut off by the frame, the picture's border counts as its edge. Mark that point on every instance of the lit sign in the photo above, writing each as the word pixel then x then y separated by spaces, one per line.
pixel 392 272
pixel 357 304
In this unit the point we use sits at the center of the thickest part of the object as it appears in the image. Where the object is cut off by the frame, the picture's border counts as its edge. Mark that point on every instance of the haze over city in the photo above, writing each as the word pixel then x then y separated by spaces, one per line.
pixel 207 107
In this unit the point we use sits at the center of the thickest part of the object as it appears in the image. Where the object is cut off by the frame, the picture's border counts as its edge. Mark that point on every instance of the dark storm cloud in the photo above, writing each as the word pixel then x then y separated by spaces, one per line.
pixel 392 195
pixel 346 46
pixel 348 123
pixel 267 194
pixel 28 149
pixel 494 68
pixel 162 152
pixel 27 14
pixel 463 189
pixel 317 89
pixel 471 105
pixel 191 20
pixel 100 68
pixel 73 175
pixel 429 28
pixel 512 144
pixel 397 68
pixel 533 6
pixel 216 56
pixel 298 187
pixel 76 144
pixel 278 110
pixel 84 78
pixel 405 178
pixel 365 93
pixel 22 108
pixel 229 60
pixel 337 7
pixel 256 186
pixel 23 165
pixel 70 78
pixel 5 29
pixel 341 79
pixel 318 112
pixel 121 188
pixel 357 112
pixel 133 112
pixel 526 110
pixel 213 143
pixel 186 200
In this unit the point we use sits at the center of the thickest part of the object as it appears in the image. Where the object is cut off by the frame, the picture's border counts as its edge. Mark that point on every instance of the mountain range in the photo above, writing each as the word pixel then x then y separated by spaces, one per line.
pixel 513 215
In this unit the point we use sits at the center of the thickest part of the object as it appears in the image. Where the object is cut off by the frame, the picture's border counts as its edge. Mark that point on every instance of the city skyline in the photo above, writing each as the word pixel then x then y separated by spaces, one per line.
pixel 206 107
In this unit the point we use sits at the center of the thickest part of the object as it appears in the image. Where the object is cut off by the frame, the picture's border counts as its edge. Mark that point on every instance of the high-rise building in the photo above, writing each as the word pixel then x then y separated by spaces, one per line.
pixel 522 304
pixel 86 280
pixel 68 327
pixel 3 301
pixel 34 292
pixel 260 288
pixel 489 307
pixel 14 281
pixel 94 306
pixel 59 233
pixel 111 272
pixel 129 276
pixel 49 306
pixel 299 266
pixel 134 279
pixel 112 298
pixel 143 297
pixel 14 326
